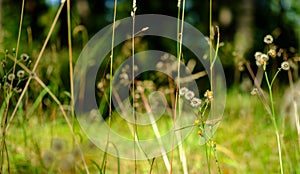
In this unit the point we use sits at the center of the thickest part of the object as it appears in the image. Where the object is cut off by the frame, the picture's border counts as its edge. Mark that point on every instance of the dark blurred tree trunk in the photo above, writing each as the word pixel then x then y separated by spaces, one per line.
pixel 83 9
pixel 243 39
pixel 33 10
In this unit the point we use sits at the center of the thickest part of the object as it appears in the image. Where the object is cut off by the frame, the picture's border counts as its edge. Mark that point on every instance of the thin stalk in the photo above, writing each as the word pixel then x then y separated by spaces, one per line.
pixel 32 72
pixel 180 145
pixel 41 83
pixel 274 120
pixel 216 157
pixel 104 162
pixel 4 119
pixel 210 43
pixel 70 61
pixel 178 82
pixel 279 69
pixel 133 85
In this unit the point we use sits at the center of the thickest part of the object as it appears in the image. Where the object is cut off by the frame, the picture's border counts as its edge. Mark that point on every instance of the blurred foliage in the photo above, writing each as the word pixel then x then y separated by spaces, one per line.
pixel 277 17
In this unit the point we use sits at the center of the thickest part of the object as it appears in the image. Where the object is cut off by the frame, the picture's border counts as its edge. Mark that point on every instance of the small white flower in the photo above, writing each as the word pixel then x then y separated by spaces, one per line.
pixel 24 57
pixel 195 102
pixel 20 74
pixel 183 90
pixel 57 145
pixel 257 55
pixel 268 39
pixel 265 57
pixel 285 65
pixel 159 65
pixel 48 158
pixel 189 95
pixel 254 91
pixel 261 59
pixel 11 77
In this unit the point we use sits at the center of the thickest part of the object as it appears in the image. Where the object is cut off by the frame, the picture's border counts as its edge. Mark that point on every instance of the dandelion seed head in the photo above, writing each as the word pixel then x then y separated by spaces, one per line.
pixel 268 39
pixel 261 59
pixel 195 102
pixel 67 163
pixel 159 65
pixel 257 55
pixel 189 95
pixel 265 57
pixel 18 90
pixel 20 74
pixel 57 145
pixel 76 152
pixel 11 77
pixel 285 65
pixel 7 85
pixel 183 90
pixel 24 57
pixel 3 63
pixel 48 158
pixel 254 91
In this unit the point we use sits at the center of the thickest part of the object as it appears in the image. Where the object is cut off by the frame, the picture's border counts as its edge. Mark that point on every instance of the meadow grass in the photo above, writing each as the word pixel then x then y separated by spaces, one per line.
pixel 37 140
pixel 245 143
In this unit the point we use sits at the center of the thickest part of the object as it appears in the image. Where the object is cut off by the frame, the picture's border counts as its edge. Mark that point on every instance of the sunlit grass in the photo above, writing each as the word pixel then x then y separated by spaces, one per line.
pixel 245 143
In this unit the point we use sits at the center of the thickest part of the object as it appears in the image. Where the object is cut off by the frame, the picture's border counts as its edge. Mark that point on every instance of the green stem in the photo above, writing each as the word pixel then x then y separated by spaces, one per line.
pixel 273 118
pixel 216 157
pixel 275 76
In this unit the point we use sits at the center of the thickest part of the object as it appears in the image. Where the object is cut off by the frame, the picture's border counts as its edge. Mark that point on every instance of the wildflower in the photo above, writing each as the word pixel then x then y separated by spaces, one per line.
pixel 7 85
pixel 11 77
pixel 195 102
pixel 182 91
pixel 241 66
pixel 254 91
pixel 189 95
pixel 67 163
pixel 57 144
pixel 24 57
pixel 257 55
pixel 214 144
pixel 76 152
pixel 196 122
pixel 124 76
pixel 272 53
pixel 48 158
pixel 20 74
pixel 159 65
pixel 209 95
pixel 285 65
pixel 261 59
pixel 268 39
pixel 3 63
pixel 18 90
pixel 199 132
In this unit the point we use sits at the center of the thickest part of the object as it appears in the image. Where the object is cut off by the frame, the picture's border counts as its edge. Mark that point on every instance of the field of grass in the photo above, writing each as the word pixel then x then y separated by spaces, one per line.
pixel 245 139
pixel 41 132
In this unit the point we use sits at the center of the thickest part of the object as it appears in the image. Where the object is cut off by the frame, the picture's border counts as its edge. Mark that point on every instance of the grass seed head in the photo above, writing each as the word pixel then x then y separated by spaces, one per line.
pixel 268 39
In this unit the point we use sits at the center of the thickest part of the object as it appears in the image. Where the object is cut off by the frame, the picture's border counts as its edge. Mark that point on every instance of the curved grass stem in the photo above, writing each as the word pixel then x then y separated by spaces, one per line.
pixel 273 118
